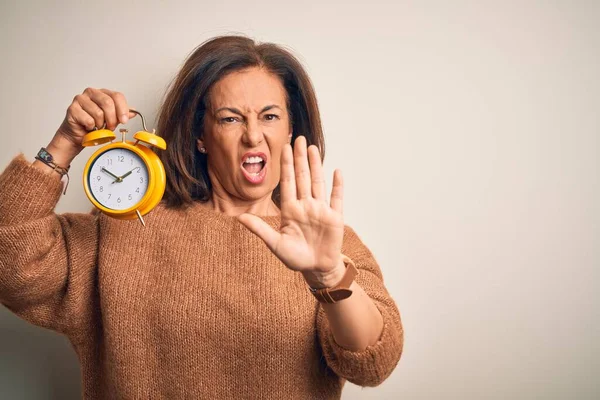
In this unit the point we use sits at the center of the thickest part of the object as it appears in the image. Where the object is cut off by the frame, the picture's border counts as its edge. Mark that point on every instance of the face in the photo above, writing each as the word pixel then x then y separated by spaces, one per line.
pixel 245 130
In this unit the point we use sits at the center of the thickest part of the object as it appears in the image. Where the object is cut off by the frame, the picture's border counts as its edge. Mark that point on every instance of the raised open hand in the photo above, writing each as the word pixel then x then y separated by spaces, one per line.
pixel 311 234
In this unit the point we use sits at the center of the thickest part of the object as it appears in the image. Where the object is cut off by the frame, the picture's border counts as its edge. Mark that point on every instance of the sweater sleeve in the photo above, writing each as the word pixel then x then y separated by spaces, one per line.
pixel 371 366
pixel 46 260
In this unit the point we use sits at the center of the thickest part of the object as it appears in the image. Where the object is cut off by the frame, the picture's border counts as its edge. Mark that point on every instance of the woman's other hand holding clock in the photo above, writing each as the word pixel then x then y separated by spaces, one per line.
pixel 90 109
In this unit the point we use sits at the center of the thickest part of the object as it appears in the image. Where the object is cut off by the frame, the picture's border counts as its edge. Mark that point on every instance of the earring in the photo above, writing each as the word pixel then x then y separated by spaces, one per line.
pixel 202 150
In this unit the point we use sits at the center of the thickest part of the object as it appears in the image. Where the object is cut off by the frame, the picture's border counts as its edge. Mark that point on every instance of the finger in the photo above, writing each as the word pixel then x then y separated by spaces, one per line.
pixel 107 104
pixel 261 229
pixel 316 173
pixel 301 168
pixel 92 109
pixel 121 106
pixel 287 184
pixel 337 192
pixel 79 116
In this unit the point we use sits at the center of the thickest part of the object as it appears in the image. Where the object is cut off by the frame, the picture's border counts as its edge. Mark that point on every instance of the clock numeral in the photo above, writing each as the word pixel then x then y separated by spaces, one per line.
pixel 129 196
pixel 118 199
pixel 109 196
pixel 98 177
pixel 141 179
pixel 120 158
pixel 137 190
pixel 109 161
pixel 131 161
pixel 101 189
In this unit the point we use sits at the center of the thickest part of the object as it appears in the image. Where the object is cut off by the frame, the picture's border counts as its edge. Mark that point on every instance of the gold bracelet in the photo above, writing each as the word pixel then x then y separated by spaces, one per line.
pixel 44 156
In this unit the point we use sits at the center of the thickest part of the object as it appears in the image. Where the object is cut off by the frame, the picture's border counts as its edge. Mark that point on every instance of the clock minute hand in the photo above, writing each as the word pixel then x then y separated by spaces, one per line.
pixel 111 174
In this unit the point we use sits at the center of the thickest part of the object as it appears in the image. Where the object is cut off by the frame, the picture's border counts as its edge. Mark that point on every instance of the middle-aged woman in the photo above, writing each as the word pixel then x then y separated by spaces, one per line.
pixel 244 283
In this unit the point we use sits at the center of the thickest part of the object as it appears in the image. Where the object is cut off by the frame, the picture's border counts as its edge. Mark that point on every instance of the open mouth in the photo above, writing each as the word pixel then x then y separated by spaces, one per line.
pixel 253 165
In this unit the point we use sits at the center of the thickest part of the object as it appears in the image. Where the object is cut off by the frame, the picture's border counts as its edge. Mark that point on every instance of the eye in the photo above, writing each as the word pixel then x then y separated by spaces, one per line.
pixel 228 120
pixel 271 117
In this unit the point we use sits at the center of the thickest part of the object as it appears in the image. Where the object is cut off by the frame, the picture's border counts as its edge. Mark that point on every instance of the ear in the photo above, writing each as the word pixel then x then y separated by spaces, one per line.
pixel 290 137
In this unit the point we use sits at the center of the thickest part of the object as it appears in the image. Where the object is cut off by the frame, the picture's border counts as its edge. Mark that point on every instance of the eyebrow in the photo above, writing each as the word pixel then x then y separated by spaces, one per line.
pixel 236 111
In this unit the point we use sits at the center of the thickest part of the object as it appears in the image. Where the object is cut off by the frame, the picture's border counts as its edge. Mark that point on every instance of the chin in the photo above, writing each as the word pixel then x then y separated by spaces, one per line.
pixel 257 192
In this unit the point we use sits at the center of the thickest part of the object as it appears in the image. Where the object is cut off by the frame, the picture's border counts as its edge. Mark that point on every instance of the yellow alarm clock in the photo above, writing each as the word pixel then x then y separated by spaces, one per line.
pixel 125 179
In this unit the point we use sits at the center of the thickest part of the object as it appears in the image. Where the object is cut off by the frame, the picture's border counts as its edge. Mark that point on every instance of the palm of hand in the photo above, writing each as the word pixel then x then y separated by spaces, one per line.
pixel 311 236
pixel 311 233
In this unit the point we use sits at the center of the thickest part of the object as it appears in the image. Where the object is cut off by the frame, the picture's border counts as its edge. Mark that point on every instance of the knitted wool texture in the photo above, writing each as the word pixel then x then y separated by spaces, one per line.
pixel 191 306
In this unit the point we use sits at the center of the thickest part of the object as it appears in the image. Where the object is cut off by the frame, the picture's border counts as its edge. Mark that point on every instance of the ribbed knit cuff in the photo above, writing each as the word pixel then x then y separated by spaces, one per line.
pixel 26 193
pixel 368 367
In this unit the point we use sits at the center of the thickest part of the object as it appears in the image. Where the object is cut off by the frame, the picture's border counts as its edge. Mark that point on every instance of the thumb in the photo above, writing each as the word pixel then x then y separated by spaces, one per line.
pixel 261 229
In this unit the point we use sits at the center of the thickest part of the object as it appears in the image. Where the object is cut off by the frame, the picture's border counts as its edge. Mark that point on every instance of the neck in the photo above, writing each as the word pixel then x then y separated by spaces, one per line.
pixel 234 207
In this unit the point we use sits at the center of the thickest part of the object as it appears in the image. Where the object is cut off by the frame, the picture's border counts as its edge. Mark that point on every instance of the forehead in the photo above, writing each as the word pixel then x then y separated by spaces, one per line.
pixel 248 89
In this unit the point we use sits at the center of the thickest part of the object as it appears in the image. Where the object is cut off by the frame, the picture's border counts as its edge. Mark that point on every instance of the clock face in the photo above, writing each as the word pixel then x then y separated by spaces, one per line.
pixel 118 179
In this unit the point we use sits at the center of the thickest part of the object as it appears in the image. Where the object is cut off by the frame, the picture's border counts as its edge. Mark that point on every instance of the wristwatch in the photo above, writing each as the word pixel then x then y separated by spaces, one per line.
pixel 340 291
pixel 44 156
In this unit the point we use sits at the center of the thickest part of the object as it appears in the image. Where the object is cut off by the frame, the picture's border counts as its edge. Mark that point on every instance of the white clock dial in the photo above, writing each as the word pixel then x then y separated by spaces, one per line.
pixel 118 179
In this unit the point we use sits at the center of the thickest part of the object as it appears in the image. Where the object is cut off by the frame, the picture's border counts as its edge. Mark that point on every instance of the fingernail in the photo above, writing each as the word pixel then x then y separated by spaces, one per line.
pixel 124 118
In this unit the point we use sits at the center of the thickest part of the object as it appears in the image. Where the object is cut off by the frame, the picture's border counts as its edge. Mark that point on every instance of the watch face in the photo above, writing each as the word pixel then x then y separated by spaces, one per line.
pixel 118 179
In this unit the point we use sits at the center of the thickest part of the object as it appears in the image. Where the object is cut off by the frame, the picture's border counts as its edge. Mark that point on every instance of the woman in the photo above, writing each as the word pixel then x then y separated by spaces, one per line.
pixel 212 299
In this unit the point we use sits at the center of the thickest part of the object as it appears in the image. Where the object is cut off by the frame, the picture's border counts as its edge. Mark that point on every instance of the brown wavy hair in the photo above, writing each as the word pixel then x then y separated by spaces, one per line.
pixel 181 115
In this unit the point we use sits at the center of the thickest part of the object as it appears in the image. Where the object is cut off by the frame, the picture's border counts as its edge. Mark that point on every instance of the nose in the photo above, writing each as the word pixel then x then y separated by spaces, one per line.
pixel 253 134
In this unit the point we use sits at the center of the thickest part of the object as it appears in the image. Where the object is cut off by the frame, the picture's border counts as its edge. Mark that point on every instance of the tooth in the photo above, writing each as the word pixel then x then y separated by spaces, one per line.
pixel 253 160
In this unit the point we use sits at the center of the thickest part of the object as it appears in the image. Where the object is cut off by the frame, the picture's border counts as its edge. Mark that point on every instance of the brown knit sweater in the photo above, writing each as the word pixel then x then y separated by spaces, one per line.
pixel 192 306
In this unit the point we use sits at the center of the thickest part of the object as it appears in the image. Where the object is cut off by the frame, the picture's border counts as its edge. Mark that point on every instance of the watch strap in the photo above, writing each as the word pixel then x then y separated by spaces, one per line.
pixel 342 289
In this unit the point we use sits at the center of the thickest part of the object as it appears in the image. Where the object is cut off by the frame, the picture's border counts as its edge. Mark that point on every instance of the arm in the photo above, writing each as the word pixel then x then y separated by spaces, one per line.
pixel 46 260
pixel 346 329
pixel 356 322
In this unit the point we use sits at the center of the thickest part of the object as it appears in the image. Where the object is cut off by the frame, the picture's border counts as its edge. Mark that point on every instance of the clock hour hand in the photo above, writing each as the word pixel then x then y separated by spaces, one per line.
pixel 117 179
pixel 127 173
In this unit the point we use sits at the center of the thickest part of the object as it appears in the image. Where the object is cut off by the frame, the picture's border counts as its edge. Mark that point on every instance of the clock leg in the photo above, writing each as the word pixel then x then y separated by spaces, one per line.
pixel 140 217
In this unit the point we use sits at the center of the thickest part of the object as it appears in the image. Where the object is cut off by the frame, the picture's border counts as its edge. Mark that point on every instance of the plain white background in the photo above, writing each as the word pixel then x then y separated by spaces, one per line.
pixel 468 135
